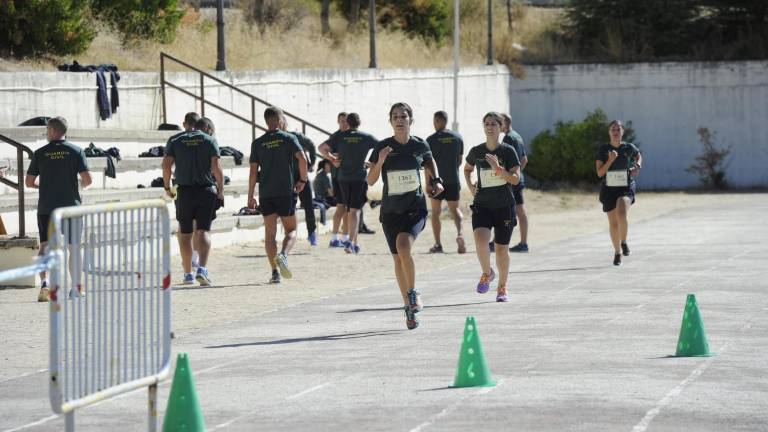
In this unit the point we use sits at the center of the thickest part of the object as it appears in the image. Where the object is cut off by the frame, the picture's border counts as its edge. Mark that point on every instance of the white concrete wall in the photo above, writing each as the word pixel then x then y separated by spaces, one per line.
pixel 315 95
pixel 667 103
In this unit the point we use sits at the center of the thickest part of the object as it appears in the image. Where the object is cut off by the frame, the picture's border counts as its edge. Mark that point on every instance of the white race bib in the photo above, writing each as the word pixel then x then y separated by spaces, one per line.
pixel 617 178
pixel 489 178
pixel 402 181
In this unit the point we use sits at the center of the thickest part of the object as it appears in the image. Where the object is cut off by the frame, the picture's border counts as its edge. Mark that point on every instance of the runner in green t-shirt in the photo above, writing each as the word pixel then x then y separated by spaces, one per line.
pixel 512 138
pixel 274 153
pixel 349 150
pixel 194 160
pixel 448 149
pixel 498 169
pixel 54 170
pixel 618 163
pixel 398 160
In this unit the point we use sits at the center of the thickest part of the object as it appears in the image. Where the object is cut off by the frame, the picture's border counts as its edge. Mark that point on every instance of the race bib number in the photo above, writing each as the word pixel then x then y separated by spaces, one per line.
pixel 489 178
pixel 402 182
pixel 618 178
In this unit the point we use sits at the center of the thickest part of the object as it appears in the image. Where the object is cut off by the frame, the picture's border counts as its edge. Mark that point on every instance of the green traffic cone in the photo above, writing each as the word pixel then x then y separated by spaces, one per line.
pixel 183 413
pixel 693 340
pixel 472 370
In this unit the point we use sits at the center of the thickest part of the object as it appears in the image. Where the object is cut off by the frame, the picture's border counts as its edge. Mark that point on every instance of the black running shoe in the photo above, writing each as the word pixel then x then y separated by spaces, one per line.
pixel 617 259
pixel 365 230
pixel 411 321
pixel 624 249
pixel 275 279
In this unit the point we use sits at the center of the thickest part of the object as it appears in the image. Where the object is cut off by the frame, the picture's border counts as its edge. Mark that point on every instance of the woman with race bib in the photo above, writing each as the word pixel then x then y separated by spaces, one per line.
pixel 618 163
pixel 398 160
pixel 498 168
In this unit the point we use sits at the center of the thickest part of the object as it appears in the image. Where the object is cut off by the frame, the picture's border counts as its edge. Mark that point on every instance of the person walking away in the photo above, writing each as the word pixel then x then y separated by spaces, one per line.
pixel 513 139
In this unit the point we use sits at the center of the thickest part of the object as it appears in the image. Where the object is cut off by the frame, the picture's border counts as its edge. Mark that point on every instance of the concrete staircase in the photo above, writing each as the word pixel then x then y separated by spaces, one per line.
pixel 131 171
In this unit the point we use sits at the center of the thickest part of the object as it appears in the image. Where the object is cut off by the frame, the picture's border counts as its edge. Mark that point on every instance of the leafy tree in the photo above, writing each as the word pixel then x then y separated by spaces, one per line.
pixel 31 28
pixel 710 165
pixel 631 29
pixel 141 19
pixel 568 153
pixel 429 19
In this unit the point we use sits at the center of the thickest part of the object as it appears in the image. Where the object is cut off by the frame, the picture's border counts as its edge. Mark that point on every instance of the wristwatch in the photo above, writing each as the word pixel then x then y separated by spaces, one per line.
pixel 436 180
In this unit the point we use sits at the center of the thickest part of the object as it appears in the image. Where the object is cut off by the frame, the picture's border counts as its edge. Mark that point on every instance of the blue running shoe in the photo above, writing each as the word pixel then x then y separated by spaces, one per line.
pixel 414 300
pixel 520 247
pixel 189 279
pixel 313 239
pixel 411 320
pixel 336 243
pixel 202 276
pixel 356 249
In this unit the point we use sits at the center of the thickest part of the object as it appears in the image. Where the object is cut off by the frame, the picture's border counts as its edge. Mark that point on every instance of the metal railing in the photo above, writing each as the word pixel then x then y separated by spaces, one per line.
pixel 19 184
pixel 203 101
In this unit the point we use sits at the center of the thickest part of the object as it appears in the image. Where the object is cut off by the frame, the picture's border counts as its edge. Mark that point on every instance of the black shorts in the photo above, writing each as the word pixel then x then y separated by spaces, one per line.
pixel 450 192
pixel 283 206
pixel 517 192
pixel 395 223
pixel 354 194
pixel 501 220
pixel 75 227
pixel 609 195
pixel 195 204
pixel 336 190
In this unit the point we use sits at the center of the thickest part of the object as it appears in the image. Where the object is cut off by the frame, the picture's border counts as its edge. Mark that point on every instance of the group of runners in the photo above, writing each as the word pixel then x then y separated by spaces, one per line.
pixel 280 165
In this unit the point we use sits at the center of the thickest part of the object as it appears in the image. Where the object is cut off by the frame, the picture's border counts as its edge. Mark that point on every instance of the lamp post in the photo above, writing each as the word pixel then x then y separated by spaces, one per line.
pixel 372 28
pixel 221 57
pixel 456 39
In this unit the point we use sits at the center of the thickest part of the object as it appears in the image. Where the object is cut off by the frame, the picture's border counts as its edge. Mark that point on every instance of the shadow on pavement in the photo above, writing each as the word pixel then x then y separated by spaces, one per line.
pixel 559 270
pixel 399 308
pixel 333 337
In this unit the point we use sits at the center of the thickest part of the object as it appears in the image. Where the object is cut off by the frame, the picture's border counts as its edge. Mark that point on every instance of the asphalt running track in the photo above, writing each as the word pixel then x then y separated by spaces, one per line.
pixel 582 346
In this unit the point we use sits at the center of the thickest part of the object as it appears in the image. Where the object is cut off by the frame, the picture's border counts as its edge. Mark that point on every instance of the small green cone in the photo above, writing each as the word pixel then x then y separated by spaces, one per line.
pixel 183 413
pixel 472 370
pixel 693 340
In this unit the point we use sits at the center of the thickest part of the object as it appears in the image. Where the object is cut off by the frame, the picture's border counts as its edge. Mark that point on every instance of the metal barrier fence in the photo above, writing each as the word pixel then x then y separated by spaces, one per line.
pixel 110 310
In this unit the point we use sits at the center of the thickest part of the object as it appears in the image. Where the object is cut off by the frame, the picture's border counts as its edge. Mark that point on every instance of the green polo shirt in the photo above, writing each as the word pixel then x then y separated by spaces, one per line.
pixel 275 152
pixel 447 147
pixel 192 152
pixel 352 147
pixel 57 164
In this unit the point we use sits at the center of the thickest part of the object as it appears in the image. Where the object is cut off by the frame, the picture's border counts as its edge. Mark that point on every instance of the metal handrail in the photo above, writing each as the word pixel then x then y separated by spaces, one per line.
pixel 201 97
pixel 19 185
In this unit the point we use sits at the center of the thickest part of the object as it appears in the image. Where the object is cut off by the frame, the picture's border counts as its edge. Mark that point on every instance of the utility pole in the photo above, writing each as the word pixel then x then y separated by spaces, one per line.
pixel 372 28
pixel 221 57
pixel 490 34
pixel 456 39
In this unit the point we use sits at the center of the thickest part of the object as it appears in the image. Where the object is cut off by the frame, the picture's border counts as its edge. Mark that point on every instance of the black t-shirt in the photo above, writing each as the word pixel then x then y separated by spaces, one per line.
pixel 492 190
pixel 402 183
pixel 309 151
pixel 275 152
pixel 57 163
pixel 192 152
pixel 447 147
pixel 627 158
pixel 514 139
pixel 352 147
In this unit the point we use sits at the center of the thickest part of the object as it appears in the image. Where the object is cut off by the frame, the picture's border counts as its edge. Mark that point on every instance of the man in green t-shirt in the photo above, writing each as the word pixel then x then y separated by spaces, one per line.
pixel 274 152
pixel 305 197
pixel 57 164
pixel 512 138
pixel 200 188
pixel 447 149
pixel 349 150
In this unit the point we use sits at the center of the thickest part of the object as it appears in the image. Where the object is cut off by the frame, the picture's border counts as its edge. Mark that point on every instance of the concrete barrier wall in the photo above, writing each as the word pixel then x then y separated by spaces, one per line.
pixel 315 95
pixel 667 103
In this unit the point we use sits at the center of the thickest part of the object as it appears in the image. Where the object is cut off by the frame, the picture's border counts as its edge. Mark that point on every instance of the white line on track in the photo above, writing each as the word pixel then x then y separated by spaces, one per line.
pixel 452 407
pixel 250 413
pixel 652 413
pixel 23 375
pixel 37 423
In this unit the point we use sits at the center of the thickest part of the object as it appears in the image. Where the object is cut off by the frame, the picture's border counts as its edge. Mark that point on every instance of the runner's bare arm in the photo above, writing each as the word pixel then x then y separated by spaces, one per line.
pixel 252 184
pixel 603 167
pixel 168 162
pixel 430 173
pixel 375 171
pixel 30 182
pixel 302 182
pixel 85 178
pixel 218 174
pixel 468 168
